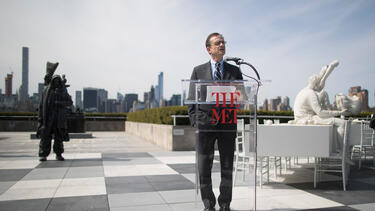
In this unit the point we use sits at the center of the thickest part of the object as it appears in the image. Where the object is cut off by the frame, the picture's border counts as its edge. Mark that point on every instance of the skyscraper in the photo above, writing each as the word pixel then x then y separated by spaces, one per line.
pixel 120 97
pixel 175 100
pixel 79 100
pixel 103 97
pixel 90 99
pixel 8 85
pixel 160 87
pixel 129 100
pixel 24 89
pixel 273 103
pixel 40 89
pixel 157 93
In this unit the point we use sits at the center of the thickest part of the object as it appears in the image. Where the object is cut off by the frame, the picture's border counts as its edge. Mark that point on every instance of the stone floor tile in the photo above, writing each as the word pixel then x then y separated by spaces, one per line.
pixel 129 188
pixel 165 178
pixel 122 156
pixel 81 172
pixel 4 186
pixel 364 207
pixel 55 164
pixel 81 203
pixel 7 175
pixel 191 206
pixel 87 162
pixel 25 205
pixel 135 199
pixel 81 187
pixel 179 196
pixel 132 161
pixel 173 185
pixel 46 173
pixel 49 183
pixel 27 193
pixel 161 207
pixel 18 164
pixel 126 180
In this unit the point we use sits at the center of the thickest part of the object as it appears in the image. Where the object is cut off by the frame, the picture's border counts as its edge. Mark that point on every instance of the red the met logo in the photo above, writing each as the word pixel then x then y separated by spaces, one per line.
pixel 228 114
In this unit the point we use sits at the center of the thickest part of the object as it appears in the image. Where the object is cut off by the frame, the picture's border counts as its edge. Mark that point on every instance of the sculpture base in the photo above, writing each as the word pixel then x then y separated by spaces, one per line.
pixel 71 136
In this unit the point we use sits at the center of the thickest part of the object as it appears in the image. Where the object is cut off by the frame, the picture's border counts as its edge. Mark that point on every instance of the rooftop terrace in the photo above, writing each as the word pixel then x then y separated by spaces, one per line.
pixel 116 171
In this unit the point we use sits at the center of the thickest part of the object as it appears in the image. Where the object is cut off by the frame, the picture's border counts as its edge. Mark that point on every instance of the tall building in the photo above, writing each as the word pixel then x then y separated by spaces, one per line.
pixel 111 105
pixel 120 97
pixel 157 93
pixel 8 85
pixel 129 101
pixel 24 89
pixel 284 106
pixel 276 104
pixel 145 97
pixel 103 97
pixel 160 89
pixel 362 94
pixel 273 103
pixel 40 89
pixel 265 105
pixel 90 100
pixel 175 100
pixel 79 100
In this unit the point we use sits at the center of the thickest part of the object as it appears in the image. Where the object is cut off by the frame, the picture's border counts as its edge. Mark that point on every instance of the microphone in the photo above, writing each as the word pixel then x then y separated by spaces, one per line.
pixel 234 59
pixel 240 61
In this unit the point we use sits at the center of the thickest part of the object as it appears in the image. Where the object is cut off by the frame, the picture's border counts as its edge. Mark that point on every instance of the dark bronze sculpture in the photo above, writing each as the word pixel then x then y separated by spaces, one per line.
pixel 52 116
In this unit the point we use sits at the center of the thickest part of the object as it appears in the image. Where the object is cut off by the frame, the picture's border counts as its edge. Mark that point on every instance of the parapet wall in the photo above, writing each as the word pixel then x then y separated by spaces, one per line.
pixel 31 124
pixel 172 138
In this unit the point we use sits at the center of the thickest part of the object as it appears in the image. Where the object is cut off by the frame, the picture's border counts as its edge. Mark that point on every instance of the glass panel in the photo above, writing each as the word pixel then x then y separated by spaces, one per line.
pixel 213 107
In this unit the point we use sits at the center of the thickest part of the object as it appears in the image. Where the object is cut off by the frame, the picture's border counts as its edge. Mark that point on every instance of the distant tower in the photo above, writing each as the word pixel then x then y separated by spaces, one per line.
pixel 24 89
pixel 8 85
pixel 362 94
pixel 265 105
pixel 129 101
pixel 79 100
pixel 157 93
pixel 40 89
pixel 90 100
pixel 120 97
pixel 273 103
pixel 161 86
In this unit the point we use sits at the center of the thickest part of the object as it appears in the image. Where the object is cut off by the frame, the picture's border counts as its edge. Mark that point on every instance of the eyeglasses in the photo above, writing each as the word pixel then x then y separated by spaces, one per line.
pixel 220 42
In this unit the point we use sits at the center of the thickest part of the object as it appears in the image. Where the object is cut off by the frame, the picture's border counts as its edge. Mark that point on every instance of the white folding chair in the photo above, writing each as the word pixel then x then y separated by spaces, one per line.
pixel 336 162
pixel 366 145
pixel 244 160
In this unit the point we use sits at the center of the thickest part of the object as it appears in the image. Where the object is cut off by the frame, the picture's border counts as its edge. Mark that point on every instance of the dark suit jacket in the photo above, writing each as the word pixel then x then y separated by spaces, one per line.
pixel 202 117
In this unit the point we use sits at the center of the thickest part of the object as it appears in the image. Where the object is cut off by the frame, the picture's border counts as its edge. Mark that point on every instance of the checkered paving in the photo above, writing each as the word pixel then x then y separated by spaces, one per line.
pixel 163 181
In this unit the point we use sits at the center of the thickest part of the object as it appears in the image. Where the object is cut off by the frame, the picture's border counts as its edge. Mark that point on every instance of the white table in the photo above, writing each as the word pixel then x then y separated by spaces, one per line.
pixel 300 140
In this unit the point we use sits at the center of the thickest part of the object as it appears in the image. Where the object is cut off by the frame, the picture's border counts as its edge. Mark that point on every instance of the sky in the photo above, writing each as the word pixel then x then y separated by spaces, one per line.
pixel 122 46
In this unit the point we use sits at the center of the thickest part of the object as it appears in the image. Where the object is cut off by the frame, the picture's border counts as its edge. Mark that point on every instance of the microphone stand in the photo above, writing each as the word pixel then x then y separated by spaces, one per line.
pixel 239 62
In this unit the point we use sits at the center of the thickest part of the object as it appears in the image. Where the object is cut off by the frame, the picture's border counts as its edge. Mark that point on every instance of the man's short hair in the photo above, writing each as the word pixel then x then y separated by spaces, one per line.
pixel 210 36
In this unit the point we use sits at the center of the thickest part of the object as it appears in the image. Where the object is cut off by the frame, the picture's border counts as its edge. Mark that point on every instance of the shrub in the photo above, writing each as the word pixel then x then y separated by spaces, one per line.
pixel 105 114
pixel 160 115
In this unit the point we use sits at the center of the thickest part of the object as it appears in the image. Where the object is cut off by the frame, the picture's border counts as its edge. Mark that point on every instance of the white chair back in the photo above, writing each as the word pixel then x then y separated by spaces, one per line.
pixel 367 134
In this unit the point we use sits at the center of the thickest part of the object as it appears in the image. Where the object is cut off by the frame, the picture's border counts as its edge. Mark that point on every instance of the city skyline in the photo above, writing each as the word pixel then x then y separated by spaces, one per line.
pixel 122 46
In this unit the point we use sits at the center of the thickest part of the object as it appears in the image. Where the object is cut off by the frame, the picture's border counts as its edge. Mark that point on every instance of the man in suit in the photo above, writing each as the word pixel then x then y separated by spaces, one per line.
pixel 210 129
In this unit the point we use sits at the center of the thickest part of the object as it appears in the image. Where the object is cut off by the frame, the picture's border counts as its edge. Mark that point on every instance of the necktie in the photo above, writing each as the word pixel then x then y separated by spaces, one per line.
pixel 217 72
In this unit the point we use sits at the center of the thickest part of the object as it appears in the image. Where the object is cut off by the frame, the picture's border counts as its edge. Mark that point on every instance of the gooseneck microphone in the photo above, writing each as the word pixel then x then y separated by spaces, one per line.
pixel 240 61
pixel 234 59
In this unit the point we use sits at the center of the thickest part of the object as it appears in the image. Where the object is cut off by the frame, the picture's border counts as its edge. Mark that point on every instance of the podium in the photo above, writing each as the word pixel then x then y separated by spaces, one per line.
pixel 213 107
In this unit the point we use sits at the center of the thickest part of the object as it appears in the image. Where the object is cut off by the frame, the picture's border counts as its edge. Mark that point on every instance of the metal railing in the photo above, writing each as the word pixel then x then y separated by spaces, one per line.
pixel 260 117
pixel 239 116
